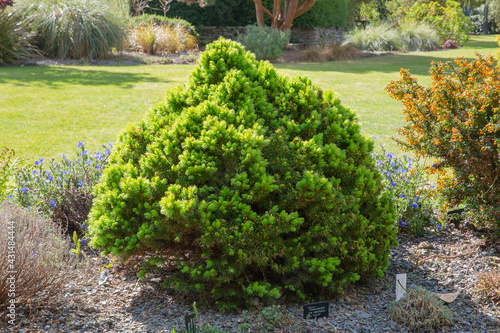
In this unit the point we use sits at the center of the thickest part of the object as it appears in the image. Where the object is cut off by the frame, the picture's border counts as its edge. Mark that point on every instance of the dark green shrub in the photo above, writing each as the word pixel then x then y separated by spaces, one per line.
pixel 266 43
pixel 223 13
pixel 75 29
pixel 255 184
pixel 324 13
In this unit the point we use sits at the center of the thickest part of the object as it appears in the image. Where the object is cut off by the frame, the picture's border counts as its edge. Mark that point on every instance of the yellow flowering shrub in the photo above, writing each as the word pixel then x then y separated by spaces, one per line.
pixel 456 120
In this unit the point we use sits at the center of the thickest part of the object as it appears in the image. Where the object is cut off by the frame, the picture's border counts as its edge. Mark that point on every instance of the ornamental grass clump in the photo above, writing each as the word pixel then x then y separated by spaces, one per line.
pixel 418 36
pixel 488 285
pixel 456 121
pixel 375 38
pixel 35 261
pixel 75 29
pixel 15 38
pixel 420 310
pixel 253 183
pixel 155 39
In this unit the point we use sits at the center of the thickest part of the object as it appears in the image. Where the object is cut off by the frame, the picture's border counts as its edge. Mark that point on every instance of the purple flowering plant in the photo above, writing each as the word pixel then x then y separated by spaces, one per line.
pixel 46 185
pixel 417 201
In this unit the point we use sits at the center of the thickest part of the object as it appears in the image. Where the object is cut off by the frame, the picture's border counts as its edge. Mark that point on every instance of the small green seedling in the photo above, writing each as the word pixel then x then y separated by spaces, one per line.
pixel 78 243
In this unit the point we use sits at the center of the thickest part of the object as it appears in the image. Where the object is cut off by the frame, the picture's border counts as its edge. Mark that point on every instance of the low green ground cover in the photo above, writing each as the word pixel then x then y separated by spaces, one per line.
pixel 46 111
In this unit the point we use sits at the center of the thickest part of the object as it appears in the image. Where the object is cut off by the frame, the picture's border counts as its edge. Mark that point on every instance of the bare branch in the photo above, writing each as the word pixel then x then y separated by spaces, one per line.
pixel 303 7
pixel 264 9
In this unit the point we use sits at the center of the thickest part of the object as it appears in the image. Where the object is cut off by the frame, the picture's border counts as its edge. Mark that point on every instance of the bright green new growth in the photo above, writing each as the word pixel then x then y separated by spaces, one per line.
pixel 257 185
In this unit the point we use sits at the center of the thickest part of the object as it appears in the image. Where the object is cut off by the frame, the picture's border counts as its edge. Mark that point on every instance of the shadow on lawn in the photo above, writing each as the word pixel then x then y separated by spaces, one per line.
pixel 54 77
pixel 417 63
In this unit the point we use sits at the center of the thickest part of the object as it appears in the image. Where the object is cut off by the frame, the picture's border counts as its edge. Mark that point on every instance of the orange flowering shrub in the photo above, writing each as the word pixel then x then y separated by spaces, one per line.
pixel 457 121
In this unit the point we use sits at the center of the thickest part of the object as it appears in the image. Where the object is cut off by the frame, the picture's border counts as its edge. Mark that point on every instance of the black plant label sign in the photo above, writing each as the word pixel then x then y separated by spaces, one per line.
pixel 190 323
pixel 316 310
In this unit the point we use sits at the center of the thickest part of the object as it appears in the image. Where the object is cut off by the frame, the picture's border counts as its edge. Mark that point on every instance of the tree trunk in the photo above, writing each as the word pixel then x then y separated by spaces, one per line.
pixel 281 18
pixel 290 9
pixel 260 13
pixel 466 10
pixel 486 30
pixel 277 14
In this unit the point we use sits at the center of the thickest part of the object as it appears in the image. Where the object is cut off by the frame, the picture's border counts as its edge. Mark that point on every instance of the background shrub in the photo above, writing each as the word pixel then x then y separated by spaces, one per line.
pixel 449 20
pixel 41 260
pixel 456 121
pixel 15 39
pixel 375 38
pixel 264 42
pixel 75 29
pixel 324 13
pixel 61 190
pixel 253 183
pixel 476 16
pixel 158 38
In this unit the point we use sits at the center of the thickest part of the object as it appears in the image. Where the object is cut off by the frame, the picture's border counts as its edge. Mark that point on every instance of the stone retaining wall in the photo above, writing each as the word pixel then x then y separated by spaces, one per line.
pixel 305 36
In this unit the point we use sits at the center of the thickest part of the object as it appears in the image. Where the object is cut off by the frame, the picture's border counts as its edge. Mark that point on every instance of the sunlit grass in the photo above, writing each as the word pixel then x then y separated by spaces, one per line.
pixel 361 82
pixel 45 111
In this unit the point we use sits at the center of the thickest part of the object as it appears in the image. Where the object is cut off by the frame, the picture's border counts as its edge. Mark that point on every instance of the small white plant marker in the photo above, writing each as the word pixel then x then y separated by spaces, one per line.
pixel 400 286
pixel 104 276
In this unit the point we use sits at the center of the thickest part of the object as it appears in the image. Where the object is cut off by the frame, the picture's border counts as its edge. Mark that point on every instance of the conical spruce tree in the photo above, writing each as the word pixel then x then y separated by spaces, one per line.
pixel 254 184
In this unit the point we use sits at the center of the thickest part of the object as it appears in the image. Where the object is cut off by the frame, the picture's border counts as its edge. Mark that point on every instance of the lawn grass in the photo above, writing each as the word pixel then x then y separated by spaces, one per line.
pixel 45 111
pixel 361 83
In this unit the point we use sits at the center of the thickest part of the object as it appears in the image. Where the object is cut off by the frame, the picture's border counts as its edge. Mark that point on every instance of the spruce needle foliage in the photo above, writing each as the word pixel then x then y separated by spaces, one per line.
pixel 255 184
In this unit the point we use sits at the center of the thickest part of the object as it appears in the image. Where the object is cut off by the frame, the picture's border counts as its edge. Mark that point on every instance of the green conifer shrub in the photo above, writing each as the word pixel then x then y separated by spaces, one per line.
pixel 255 183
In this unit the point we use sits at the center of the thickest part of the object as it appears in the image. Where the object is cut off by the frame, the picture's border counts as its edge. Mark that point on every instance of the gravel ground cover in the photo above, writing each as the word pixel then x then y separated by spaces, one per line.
pixel 444 263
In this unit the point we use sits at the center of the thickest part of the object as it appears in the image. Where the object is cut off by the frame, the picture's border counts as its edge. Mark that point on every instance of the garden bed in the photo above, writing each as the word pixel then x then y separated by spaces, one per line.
pixel 124 304
pixel 131 58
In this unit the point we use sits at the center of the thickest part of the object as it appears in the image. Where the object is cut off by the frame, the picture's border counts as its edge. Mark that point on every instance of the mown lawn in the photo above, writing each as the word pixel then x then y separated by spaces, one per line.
pixel 45 111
